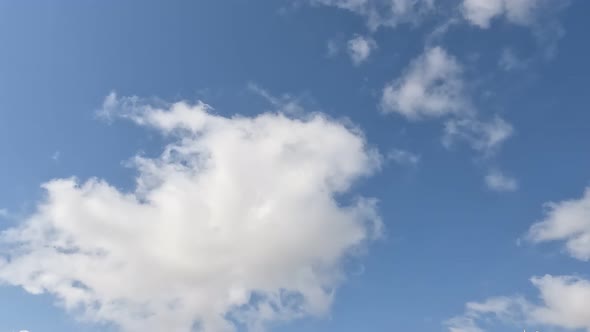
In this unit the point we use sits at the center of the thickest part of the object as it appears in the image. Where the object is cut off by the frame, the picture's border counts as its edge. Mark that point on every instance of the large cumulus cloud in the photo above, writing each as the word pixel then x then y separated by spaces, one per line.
pixel 238 221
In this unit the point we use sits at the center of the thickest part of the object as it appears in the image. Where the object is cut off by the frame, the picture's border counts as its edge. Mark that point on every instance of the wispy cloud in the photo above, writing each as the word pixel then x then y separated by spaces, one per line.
pixel 497 181
pixel 403 157
pixel 484 136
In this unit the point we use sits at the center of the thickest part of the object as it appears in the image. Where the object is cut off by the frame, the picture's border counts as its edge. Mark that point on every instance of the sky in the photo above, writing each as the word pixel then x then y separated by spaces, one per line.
pixel 294 165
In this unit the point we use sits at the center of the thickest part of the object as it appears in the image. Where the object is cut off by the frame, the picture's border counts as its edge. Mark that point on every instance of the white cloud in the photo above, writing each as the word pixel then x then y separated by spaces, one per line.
pixel 564 303
pixel 360 48
pixel 432 86
pixel 237 220
pixel 497 181
pixel 486 137
pixel 403 157
pixel 481 12
pixel 568 221
pixel 384 13
pixel 3 213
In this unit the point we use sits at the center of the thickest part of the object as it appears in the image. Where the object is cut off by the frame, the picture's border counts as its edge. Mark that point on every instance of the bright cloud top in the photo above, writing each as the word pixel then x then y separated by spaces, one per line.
pixel 432 86
pixel 360 48
pixel 565 303
pixel 569 221
pixel 236 221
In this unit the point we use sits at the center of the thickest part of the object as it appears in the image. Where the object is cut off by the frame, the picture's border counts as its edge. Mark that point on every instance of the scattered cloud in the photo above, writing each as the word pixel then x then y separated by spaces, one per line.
pixel 379 13
pixel 497 181
pixel 227 225
pixel 3 213
pixel 539 15
pixel 481 12
pixel 568 221
pixel 564 303
pixel 55 156
pixel 403 157
pixel 360 48
pixel 432 86
pixel 486 137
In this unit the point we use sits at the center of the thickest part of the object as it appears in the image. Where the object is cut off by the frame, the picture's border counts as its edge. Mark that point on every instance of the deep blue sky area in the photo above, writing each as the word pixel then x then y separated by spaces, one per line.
pixel 448 237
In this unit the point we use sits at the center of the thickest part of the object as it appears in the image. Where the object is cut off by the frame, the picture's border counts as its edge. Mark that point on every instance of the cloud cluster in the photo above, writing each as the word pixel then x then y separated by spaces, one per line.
pixel 481 12
pixel 433 87
pixel 568 221
pixel 238 221
pixel 564 303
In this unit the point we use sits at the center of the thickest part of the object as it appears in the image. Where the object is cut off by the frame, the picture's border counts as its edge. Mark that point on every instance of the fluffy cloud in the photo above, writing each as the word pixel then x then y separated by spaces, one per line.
pixel 383 12
pixel 565 303
pixel 237 221
pixel 568 221
pixel 360 48
pixel 432 86
pixel 483 136
pixel 497 181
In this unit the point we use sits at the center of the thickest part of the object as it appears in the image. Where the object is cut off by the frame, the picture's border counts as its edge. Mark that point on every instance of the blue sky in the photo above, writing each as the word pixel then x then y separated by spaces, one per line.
pixel 362 165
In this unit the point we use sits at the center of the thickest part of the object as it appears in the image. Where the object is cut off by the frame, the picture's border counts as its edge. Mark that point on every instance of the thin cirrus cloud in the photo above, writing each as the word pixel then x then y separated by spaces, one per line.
pixel 378 13
pixel 564 303
pixel 484 136
pixel 228 225
pixel 568 221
